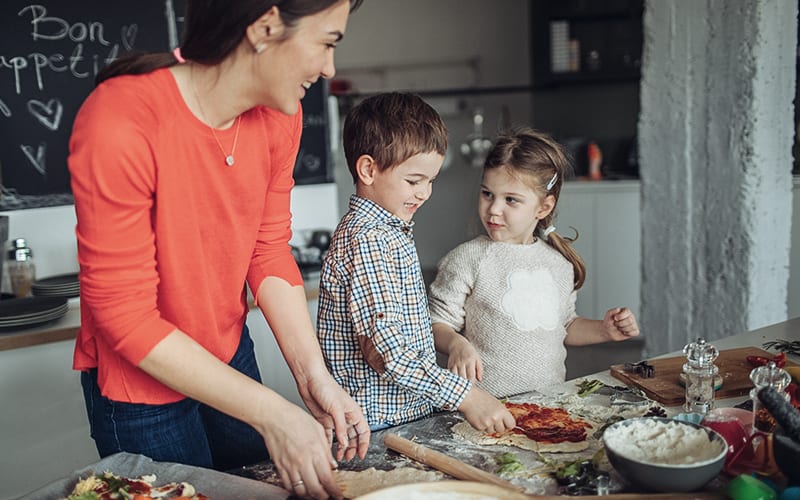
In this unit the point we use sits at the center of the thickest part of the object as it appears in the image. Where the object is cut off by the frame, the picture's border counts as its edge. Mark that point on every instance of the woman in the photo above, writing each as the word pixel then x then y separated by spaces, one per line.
pixel 182 172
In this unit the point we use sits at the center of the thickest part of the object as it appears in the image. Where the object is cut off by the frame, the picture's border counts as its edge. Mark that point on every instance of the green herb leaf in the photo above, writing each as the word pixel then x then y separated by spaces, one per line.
pixel 508 462
pixel 586 387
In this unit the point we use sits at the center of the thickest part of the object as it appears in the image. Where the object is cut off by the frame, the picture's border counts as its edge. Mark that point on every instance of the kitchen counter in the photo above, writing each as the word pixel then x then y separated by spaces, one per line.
pixel 66 327
pixel 434 431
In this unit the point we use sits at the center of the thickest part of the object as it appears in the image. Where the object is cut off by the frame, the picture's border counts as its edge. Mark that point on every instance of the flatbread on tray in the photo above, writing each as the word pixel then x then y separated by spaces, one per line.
pixel 466 431
pixel 540 428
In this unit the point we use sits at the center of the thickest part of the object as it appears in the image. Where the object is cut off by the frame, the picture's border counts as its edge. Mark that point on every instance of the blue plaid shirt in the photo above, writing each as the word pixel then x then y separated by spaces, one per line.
pixel 371 285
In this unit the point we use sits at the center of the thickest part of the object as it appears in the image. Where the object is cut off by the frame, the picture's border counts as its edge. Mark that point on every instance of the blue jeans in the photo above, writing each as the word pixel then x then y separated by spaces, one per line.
pixel 186 432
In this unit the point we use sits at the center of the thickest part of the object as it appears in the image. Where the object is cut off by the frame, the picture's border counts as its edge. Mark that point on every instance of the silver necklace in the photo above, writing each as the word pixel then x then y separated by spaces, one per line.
pixel 229 160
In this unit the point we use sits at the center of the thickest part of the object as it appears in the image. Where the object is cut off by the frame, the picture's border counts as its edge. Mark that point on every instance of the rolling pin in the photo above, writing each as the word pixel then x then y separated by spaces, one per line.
pixel 442 462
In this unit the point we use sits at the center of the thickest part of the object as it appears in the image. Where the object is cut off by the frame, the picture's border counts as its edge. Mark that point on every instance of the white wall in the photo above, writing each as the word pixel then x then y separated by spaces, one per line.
pixel 50 233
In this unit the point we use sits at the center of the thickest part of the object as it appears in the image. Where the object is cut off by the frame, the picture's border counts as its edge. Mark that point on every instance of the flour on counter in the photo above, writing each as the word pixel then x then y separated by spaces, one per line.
pixel 661 442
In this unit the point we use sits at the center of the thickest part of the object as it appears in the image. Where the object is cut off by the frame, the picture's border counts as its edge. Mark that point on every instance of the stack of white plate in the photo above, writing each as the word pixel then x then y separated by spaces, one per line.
pixel 31 311
pixel 63 285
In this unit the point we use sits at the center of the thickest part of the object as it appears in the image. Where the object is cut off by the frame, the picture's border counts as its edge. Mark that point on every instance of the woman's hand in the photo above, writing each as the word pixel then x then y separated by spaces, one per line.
pixel 485 413
pixel 337 412
pixel 464 360
pixel 298 446
pixel 620 323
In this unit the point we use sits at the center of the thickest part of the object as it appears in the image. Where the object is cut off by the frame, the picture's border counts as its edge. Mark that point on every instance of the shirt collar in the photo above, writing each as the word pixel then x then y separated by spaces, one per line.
pixel 369 208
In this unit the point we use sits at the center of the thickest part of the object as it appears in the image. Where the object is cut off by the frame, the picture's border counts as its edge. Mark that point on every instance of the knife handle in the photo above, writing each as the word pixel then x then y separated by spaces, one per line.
pixel 442 462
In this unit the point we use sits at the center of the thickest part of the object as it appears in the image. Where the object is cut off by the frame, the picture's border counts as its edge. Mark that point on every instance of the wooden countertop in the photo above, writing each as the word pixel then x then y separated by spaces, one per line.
pixel 66 327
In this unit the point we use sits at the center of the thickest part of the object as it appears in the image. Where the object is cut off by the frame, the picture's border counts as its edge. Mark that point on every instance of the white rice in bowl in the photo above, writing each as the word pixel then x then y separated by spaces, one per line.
pixel 663 442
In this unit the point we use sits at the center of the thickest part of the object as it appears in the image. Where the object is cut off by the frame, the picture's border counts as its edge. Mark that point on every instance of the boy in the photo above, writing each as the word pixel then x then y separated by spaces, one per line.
pixel 373 321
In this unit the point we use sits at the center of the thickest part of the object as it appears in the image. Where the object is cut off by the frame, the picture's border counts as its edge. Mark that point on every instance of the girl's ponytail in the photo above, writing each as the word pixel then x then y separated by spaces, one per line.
pixel 564 247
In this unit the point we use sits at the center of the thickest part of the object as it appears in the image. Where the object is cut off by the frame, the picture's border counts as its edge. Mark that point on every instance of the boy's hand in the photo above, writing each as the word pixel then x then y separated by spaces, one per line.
pixel 485 413
pixel 620 324
pixel 464 360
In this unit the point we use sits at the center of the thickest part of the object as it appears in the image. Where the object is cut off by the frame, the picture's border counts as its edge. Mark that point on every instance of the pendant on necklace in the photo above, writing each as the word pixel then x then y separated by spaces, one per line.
pixel 229 160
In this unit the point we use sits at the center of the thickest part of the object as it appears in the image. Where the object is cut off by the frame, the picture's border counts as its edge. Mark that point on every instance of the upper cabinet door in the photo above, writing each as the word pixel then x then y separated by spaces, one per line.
pixel 583 41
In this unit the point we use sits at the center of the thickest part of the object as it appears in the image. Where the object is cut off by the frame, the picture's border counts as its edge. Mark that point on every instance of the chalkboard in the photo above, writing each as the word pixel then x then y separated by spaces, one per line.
pixel 50 54
pixel 313 165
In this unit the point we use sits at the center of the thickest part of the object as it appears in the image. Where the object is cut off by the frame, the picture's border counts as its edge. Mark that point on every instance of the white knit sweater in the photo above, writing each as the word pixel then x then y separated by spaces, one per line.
pixel 513 303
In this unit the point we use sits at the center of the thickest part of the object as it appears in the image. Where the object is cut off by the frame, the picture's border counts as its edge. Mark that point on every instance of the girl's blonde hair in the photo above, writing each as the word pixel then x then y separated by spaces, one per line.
pixel 542 165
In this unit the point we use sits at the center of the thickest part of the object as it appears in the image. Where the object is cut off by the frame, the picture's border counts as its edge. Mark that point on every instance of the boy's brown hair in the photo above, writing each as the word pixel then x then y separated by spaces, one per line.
pixel 391 128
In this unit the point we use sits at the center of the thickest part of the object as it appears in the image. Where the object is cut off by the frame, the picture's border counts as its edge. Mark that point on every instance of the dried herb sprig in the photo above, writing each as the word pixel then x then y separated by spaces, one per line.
pixel 787 346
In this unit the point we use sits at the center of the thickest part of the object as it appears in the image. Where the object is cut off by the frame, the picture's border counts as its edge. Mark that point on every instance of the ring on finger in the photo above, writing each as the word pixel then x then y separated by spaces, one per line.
pixel 298 484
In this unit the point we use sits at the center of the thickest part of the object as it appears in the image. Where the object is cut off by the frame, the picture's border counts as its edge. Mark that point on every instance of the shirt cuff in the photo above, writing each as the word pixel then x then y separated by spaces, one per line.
pixel 453 391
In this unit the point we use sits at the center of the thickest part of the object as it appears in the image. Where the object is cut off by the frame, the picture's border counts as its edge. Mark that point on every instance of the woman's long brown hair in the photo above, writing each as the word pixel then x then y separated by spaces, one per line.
pixel 214 28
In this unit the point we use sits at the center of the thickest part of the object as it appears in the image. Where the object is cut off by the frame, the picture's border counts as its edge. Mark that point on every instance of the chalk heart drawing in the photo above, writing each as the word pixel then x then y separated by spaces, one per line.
pixel 5 109
pixel 129 36
pixel 48 114
pixel 37 157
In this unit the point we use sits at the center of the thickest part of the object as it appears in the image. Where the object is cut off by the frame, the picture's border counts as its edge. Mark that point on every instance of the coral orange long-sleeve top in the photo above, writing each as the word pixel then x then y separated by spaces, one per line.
pixel 167 233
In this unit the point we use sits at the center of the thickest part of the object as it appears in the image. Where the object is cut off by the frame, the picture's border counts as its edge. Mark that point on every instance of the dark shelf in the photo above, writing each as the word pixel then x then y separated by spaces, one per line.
pixel 451 92
pixel 584 78
pixel 600 41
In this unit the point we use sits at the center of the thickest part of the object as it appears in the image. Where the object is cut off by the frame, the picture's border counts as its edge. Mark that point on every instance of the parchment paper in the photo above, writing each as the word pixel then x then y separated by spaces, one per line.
pixel 214 484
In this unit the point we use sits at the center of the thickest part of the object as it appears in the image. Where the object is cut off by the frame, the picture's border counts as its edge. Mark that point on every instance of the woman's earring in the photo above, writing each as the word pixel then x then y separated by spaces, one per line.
pixel 260 48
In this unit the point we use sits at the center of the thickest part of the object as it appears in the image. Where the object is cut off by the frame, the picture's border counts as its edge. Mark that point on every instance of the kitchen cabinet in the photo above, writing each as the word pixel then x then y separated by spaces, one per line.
pixel 583 41
pixel 606 216
pixel 44 433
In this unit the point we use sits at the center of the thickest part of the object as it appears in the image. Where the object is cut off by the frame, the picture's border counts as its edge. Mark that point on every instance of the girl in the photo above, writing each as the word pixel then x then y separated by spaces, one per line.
pixel 503 304
pixel 181 167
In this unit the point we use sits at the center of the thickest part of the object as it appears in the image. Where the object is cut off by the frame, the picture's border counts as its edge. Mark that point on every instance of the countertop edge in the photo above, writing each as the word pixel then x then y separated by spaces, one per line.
pixel 66 327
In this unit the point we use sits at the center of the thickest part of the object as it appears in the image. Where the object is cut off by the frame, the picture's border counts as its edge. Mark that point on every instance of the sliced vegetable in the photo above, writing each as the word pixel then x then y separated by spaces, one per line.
pixel 507 462
pixel 586 387
pixel 756 361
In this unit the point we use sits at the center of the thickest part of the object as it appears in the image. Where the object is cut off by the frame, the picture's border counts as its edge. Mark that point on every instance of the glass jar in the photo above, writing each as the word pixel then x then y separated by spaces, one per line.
pixel 763 376
pixel 21 269
pixel 700 372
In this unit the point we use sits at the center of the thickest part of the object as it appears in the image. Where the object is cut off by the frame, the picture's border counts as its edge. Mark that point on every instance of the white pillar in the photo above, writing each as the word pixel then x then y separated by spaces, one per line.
pixel 715 133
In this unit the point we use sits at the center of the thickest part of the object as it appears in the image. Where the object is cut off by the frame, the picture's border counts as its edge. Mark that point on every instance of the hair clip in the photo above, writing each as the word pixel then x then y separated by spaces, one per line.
pixel 176 52
pixel 552 181
pixel 546 232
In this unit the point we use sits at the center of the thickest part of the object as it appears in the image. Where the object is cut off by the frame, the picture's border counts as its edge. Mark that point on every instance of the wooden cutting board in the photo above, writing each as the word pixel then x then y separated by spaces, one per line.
pixel 665 386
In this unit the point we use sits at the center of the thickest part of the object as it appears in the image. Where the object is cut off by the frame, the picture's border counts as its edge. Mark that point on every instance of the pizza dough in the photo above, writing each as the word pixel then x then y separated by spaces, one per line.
pixel 355 484
pixel 466 431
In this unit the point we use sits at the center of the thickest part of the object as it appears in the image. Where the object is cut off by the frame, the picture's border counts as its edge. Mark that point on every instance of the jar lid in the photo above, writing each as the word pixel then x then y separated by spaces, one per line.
pixel 700 353
pixel 19 250
pixel 771 375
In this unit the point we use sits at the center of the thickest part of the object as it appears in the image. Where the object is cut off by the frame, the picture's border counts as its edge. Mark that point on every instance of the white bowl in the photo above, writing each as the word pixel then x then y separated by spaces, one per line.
pixel 663 454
